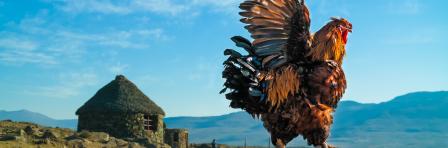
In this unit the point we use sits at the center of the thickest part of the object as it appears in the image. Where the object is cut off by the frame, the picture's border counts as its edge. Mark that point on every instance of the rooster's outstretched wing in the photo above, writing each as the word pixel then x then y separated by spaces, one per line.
pixel 280 29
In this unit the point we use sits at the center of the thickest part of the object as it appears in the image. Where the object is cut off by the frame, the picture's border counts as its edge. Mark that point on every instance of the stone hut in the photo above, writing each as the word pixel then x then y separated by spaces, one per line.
pixel 177 138
pixel 123 111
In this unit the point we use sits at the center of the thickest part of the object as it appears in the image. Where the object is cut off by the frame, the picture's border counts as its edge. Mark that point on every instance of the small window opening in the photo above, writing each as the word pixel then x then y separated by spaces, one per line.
pixel 148 123
pixel 176 137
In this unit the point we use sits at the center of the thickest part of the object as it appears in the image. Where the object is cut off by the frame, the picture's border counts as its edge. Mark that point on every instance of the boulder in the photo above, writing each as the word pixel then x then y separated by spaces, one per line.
pixel 21 133
pixel 121 143
pixel 30 130
pixel 135 145
pixel 77 143
pixel 48 134
pixel 99 137
pixel 9 137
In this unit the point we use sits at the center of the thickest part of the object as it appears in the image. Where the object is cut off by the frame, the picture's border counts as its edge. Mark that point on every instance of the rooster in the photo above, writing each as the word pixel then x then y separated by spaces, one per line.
pixel 290 79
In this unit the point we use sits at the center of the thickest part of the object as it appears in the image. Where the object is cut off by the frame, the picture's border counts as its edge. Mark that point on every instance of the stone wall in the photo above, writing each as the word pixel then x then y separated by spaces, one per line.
pixel 122 125
pixel 157 135
pixel 131 126
pixel 176 138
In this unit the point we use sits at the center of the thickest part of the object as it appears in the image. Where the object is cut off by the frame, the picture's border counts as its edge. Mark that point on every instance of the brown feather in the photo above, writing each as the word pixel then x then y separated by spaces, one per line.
pixel 268 20
pixel 263 21
pixel 260 10
pixel 279 7
pixel 285 82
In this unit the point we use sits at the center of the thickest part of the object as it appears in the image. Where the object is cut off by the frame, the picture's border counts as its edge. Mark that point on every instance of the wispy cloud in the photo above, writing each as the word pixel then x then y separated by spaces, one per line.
pixel 331 7
pixel 70 85
pixel 147 80
pixel 417 37
pixel 408 7
pixel 205 72
pixel 23 51
pixel 221 3
pixel 121 7
pixel 77 6
pixel 169 7
pixel 160 6
pixel 118 68
pixel 17 44
pixel 34 40
pixel 130 39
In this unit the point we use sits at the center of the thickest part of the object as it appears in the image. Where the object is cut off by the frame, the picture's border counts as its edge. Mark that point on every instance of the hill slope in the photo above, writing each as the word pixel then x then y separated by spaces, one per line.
pixel 28 116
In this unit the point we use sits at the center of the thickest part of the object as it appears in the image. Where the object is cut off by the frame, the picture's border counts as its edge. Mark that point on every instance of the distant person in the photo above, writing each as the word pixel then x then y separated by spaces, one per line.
pixel 214 143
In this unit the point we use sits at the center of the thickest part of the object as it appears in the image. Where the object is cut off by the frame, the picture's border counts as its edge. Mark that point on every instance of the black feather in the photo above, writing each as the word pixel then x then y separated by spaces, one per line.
pixel 232 53
pixel 244 43
pixel 223 90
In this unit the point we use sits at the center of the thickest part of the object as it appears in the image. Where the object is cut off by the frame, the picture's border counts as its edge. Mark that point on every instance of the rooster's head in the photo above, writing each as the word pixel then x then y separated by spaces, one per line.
pixel 342 26
pixel 329 42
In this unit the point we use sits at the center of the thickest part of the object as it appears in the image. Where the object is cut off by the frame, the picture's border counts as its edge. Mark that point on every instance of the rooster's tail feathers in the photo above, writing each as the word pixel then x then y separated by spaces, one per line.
pixel 242 83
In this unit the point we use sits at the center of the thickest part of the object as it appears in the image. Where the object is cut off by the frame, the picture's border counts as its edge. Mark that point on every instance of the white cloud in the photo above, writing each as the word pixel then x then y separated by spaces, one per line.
pixel 408 7
pixel 160 6
pixel 205 72
pixel 24 51
pixel 24 56
pixel 118 68
pixel 122 7
pixel 417 37
pixel 149 79
pixel 169 7
pixel 35 41
pixel 77 6
pixel 18 44
pixel 129 39
pixel 70 85
pixel 331 7
pixel 221 3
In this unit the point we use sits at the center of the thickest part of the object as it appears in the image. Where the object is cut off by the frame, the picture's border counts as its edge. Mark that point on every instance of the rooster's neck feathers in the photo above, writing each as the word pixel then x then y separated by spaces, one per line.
pixel 327 44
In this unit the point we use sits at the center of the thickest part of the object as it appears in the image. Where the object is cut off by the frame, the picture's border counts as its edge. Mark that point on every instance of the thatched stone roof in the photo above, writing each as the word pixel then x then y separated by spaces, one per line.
pixel 120 95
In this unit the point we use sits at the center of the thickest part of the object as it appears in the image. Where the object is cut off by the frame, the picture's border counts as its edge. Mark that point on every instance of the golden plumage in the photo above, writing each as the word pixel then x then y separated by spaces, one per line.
pixel 284 82
pixel 329 42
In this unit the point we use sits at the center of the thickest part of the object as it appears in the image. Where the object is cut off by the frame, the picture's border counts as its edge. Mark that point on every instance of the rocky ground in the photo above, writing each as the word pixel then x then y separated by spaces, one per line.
pixel 221 146
pixel 24 134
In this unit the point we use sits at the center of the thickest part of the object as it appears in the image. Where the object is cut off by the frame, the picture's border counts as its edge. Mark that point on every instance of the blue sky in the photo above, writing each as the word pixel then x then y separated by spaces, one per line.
pixel 55 54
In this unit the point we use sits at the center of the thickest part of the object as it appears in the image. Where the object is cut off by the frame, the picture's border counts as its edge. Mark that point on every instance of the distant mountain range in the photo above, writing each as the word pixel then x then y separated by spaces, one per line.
pixel 413 120
pixel 28 116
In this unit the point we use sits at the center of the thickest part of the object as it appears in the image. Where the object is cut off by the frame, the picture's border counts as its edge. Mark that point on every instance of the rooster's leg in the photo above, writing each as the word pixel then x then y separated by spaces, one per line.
pixel 279 143
pixel 318 137
pixel 280 140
